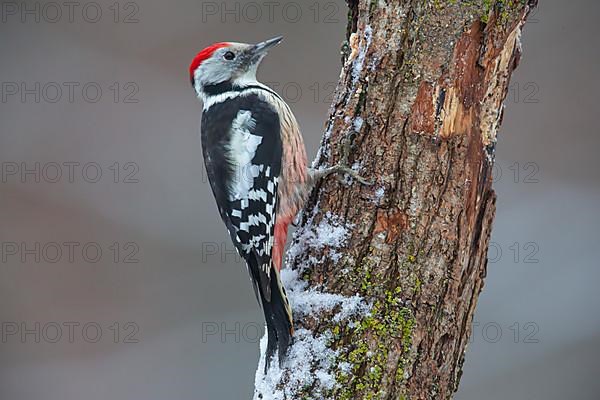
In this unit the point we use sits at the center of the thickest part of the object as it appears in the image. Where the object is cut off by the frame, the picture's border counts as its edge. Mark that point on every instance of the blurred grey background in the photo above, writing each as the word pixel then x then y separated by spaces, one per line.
pixel 151 303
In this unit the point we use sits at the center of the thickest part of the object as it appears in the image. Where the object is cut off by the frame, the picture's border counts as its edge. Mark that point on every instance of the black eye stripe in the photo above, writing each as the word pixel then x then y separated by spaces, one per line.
pixel 229 56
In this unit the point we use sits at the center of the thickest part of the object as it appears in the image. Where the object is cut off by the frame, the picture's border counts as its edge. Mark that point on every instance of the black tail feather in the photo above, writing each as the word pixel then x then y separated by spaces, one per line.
pixel 278 319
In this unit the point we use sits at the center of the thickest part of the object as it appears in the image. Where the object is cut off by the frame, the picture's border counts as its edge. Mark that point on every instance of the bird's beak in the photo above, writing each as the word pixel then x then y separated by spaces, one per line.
pixel 262 48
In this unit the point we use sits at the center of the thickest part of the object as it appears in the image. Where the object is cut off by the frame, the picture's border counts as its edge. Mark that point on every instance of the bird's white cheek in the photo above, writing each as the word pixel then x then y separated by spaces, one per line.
pixel 212 72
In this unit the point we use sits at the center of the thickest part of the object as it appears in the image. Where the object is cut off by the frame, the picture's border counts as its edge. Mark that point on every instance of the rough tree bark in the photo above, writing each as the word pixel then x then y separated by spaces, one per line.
pixel 419 101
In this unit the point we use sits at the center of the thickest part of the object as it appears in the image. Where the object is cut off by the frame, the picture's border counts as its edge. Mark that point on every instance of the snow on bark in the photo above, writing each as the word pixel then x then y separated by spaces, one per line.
pixel 310 361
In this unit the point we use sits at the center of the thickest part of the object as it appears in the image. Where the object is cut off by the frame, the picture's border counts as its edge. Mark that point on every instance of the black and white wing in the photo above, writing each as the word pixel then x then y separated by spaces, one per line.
pixel 242 150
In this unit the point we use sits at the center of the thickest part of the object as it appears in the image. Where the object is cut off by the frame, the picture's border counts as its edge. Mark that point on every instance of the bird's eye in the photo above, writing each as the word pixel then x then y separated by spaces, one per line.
pixel 229 56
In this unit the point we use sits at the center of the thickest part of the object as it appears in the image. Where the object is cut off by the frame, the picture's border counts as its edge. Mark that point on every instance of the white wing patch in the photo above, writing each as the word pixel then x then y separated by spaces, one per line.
pixel 241 150
pixel 252 192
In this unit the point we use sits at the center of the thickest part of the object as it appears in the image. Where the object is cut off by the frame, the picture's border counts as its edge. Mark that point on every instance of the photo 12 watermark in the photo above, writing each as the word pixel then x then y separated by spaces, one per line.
pixel 231 332
pixel 254 12
pixel 68 332
pixel 315 92
pixel 219 252
pixel 523 93
pixel 68 92
pixel 53 12
pixel 522 172
pixel 515 252
pixel 70 252
pixel 71 172
pixel 515 332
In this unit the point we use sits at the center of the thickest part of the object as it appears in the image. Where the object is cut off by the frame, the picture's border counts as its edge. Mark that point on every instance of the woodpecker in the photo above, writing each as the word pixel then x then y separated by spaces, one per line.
pixel 257 168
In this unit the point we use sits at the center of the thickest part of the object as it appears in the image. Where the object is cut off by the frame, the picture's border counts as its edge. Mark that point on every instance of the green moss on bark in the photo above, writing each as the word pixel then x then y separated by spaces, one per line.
pixel 368 342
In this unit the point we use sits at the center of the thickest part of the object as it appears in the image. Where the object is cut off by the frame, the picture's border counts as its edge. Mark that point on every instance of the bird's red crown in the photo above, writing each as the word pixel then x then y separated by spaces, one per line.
pixel 203 55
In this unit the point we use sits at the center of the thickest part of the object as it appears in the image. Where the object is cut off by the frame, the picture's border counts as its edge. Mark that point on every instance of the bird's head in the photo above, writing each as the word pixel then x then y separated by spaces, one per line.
pixel 230 63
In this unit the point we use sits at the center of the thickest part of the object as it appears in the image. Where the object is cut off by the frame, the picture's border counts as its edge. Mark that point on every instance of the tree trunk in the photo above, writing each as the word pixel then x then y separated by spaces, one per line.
pixel 384 279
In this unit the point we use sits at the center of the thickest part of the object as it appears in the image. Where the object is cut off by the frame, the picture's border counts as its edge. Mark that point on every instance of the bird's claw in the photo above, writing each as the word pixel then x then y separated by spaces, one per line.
pixel 343 169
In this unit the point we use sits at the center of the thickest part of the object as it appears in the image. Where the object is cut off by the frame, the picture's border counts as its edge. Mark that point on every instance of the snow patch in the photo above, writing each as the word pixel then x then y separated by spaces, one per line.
pixel 379 194
pixel 359 61
pixel 330 232
pixel 310 361
pixel 307 301
pixel 358 124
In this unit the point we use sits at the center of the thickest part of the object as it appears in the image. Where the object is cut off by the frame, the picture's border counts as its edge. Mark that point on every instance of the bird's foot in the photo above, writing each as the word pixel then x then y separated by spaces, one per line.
pixel 340 169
